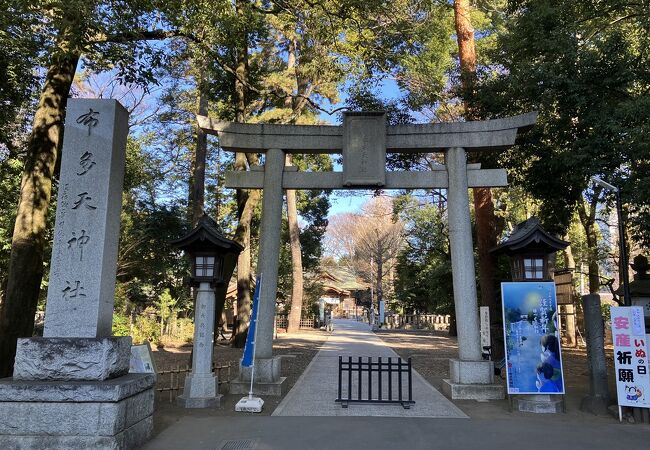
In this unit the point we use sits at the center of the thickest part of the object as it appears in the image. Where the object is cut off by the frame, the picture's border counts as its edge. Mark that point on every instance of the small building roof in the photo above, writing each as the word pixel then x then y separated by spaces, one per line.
pixel 529 235
pixel 206 231
pixel 341 279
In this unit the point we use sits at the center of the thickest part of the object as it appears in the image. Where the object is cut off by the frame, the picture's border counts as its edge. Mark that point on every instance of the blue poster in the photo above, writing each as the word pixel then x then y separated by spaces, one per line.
pixel 532 338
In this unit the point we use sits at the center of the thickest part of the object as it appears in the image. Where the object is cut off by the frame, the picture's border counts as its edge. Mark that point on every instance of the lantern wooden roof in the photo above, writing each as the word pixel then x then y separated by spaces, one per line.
pixel 207 235
pixel 529 236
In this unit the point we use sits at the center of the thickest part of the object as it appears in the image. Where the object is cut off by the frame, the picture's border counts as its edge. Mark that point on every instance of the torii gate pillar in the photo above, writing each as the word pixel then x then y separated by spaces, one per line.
pixel 267 368
pixel 471 377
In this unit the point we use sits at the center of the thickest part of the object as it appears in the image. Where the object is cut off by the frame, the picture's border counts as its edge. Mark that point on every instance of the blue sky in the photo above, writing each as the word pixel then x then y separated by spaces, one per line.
pixel 348 201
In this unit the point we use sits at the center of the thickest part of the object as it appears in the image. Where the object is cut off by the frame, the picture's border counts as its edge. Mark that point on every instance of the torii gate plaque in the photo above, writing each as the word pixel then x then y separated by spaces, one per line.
pixel 364 140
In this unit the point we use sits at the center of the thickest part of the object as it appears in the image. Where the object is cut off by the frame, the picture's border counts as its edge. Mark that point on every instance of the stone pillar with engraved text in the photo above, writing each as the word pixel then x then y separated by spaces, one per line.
pixel 72 387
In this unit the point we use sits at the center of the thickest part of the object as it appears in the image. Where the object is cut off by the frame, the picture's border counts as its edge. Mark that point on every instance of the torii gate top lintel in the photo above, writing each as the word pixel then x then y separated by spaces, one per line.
pixel 495 134
pixel 364 139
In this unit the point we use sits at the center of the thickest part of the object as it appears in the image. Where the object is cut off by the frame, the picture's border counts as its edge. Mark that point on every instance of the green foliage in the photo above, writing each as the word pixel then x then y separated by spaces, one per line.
pixel 424 281
pixel 583 67
pixel 183 331
pixel 18 79
pixel 121 326
pixel 166 306
pixel 146 328
pixel 338 45
pixel 9 191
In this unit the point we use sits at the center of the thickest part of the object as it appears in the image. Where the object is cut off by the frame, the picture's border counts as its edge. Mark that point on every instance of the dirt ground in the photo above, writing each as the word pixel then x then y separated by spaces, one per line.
pixel 297 351
pixel 430 352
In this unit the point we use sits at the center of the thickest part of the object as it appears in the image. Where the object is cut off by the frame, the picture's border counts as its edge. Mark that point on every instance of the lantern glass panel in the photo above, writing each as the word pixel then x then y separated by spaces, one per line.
pixel 205 266
pixel 534 268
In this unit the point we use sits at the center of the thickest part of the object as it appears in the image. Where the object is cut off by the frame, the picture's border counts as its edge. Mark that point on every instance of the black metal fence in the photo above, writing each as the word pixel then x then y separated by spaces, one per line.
pixel 390 377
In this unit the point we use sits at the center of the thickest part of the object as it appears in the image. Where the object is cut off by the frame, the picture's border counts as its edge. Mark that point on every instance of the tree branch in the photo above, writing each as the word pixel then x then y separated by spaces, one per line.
pixel 142 35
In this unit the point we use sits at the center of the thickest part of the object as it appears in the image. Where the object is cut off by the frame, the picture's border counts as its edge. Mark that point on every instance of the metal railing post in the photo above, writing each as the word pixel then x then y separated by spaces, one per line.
pixel 379 385
pixel 410 382
pixel 340 375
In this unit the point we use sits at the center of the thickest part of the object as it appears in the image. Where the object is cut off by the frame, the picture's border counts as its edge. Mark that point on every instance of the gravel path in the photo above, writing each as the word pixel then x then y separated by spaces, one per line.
pixel 315 392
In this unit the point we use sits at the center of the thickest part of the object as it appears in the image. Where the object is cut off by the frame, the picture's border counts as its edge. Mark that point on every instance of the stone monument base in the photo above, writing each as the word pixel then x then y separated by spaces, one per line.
pixel 200 392
pixel 267 378
pixel 538 403
pixel 70 359
pixel 60 415
pixel 472 380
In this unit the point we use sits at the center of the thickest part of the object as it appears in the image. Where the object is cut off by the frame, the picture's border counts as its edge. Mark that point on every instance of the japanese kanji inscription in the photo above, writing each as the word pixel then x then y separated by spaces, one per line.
pixel 84 254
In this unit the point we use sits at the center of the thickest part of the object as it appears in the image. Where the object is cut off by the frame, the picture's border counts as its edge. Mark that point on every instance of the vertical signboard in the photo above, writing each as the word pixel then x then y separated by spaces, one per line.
pixel 485 326
pixel 81 289
pixel 532 338
pixel 630 356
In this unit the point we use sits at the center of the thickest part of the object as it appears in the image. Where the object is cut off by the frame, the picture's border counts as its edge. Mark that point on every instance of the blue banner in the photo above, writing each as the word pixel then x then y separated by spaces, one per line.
pixel 247 359
pixel 532 338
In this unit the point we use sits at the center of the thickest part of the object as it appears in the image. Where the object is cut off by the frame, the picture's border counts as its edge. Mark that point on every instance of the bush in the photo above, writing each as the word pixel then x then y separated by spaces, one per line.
pixel 121 325
pixel 146 329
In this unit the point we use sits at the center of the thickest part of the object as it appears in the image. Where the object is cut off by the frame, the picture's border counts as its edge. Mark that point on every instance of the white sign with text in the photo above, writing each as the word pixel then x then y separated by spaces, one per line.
pixel 630 356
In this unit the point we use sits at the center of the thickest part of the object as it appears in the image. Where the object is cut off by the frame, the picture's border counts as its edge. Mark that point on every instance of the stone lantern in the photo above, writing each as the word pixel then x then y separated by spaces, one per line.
pixel 528 248
pixel 213 258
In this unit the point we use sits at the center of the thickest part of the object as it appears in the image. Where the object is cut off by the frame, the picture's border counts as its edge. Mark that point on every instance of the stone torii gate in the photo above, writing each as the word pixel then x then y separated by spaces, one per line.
pixel 364 140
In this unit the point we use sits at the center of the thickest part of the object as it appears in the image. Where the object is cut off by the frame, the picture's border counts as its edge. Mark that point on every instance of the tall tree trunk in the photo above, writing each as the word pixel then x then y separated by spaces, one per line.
pixel 198 175
pixel 466 52
pixel 587 214
pixel 27 246
pixel 197 179
pixel 295 313
pixel 380 282
pixel 569 260
pixel 246 202
pixel 293 323
pixel 486 237
pixel 569 308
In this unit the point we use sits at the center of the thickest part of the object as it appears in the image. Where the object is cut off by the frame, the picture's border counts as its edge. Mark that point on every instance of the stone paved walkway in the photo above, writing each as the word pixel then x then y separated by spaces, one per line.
pixel 314 394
